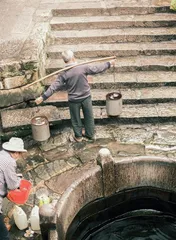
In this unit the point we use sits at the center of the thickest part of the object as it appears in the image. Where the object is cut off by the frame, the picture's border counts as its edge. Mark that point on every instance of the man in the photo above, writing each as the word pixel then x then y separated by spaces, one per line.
pixel 79 96
pixel 9 179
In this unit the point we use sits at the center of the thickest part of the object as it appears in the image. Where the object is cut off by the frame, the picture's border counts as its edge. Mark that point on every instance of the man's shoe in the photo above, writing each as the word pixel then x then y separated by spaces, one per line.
pixel 78 139
pixel 89 140
pixel 72 138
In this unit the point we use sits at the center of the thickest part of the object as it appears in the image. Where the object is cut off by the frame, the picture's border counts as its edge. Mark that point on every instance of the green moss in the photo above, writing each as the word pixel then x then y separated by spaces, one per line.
pixel 11 68
pixel 28 66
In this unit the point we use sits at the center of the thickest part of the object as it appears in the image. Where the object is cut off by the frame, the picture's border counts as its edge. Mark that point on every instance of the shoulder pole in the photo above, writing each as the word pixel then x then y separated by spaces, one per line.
pixel 67 68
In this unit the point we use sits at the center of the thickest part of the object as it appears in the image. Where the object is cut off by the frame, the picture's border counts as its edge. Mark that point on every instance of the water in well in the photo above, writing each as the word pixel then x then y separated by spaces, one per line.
pixel 152 227
pixel 136 214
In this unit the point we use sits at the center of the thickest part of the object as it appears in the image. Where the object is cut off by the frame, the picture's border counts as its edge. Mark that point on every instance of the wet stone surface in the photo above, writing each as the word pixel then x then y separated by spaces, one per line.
pixel 55 158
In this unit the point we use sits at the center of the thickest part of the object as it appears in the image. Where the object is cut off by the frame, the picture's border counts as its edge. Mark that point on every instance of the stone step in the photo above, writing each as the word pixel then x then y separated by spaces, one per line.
pixel 146 113
pixel 88 22
pixel 100 36
pixel 128 79
pixel 130 96
pixel 126 64
pixel 116 49
pixel 111 8
pixel 21 118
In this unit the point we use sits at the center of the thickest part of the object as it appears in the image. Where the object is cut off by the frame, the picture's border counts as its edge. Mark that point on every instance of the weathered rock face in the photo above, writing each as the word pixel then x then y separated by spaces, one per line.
pixel 14 82
pixel 10 97
pixel 9 68
pixel 14 76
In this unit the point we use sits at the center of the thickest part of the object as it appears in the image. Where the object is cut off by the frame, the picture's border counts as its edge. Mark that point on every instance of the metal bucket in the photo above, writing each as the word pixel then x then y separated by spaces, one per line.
pixel 114 104
pixel 40 128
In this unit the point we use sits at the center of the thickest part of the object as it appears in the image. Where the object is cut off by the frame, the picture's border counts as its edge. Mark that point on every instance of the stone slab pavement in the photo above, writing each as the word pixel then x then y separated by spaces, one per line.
pixel 56 163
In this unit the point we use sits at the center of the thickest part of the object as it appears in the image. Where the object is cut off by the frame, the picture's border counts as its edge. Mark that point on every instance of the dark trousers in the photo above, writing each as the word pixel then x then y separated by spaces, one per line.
pixel 75 113
pixel 4 234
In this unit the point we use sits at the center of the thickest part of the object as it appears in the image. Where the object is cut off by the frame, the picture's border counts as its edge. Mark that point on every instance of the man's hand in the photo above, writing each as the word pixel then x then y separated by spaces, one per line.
pixel 38 100
pixel 20 175
pixel 112 63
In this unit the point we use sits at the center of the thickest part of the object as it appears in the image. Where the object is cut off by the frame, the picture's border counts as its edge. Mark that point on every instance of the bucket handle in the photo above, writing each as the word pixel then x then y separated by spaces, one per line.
pixel 114 77
pixel 34 112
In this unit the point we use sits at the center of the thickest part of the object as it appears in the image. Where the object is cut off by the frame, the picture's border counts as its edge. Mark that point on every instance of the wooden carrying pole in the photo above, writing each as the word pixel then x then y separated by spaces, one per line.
pixel 67 68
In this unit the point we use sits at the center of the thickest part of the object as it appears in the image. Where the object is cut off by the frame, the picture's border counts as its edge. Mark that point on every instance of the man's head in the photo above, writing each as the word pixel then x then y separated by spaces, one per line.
pixel 15 146
pixel 68 56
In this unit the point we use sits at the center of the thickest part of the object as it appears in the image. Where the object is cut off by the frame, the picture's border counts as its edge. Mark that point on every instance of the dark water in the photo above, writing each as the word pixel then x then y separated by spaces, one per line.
pixel 138 228
pixel 136 214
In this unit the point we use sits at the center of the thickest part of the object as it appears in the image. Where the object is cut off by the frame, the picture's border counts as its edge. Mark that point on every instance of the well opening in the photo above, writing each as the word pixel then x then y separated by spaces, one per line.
pixel 114 188
pixel 144 211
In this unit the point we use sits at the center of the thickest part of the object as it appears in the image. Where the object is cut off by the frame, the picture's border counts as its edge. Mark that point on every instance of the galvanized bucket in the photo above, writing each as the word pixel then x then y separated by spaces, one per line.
pixel 40 128
pixel 114 104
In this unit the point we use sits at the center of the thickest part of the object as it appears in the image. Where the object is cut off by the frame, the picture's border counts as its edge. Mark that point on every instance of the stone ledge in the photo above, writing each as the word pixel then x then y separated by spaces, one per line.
pixel 127 79
pixel 130 96
pixel 100 36
pixel 148 20
pixel 21 118
pixel 126 64
pixel 117 49
pixel 110 8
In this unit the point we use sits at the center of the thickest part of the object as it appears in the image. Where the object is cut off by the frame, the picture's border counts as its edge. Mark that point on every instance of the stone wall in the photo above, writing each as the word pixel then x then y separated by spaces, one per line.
pixel 23 60
pixel 14 76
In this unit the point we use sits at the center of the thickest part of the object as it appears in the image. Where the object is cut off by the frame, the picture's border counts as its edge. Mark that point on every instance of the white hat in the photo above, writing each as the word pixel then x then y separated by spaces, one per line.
pixel 14 145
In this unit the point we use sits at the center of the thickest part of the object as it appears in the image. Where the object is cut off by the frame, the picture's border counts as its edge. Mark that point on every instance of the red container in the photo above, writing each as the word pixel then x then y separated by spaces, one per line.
pixel 20 196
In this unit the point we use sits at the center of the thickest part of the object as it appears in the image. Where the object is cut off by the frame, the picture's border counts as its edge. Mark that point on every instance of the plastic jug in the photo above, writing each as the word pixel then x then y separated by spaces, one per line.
pixel 20 218
pixel 34 219
pixel 44 200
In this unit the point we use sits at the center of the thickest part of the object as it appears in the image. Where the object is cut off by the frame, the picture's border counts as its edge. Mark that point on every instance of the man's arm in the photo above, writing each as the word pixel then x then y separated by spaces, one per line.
pixel 11 178
pixel 95 69
pixel 58 84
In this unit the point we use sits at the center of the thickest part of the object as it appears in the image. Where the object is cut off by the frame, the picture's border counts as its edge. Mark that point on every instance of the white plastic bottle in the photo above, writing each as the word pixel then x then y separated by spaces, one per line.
pixel 34 219
pixel 20 218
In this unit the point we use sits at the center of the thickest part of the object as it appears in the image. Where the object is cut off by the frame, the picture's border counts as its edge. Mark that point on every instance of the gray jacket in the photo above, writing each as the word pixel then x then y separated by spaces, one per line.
pixel 75 81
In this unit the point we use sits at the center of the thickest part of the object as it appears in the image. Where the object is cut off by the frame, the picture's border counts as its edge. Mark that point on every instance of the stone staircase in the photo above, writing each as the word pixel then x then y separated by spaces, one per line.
pixel 143 39
pixel 142 34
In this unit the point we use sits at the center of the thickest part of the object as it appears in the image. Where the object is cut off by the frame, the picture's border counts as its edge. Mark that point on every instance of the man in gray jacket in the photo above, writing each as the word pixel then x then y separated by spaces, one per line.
pixel 9 179
pixel 79 95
